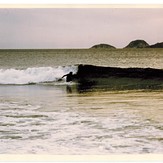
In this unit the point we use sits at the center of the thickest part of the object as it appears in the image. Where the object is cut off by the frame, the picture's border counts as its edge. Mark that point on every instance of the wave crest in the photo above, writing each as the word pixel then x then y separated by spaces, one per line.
pixel 34 75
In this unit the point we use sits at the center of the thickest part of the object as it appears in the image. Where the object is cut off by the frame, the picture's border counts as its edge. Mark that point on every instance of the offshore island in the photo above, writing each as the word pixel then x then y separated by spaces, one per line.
pixel 132 44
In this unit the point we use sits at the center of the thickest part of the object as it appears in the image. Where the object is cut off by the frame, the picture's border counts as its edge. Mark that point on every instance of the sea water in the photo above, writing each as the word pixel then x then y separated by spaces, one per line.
pixel 39 115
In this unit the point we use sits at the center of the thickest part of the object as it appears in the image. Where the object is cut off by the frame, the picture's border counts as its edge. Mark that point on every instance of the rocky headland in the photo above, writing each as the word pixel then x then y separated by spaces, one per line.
pixel 157 45
pixel 133 44
pixel 104 46
pixel 137 44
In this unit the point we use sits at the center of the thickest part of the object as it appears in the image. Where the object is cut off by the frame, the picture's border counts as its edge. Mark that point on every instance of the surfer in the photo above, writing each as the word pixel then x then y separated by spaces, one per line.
pixel 69 77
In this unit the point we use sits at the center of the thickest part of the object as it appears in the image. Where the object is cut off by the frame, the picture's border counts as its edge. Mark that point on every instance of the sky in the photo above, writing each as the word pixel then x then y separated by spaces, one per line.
pixel 33 28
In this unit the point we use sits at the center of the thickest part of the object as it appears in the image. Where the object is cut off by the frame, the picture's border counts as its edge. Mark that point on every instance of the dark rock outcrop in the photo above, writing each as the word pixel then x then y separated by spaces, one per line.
pixel 137 44
pixel 104 46
pixel 157 45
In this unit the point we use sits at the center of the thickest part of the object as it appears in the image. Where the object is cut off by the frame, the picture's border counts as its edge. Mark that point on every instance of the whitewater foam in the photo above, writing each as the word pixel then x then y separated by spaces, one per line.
pixel 34 75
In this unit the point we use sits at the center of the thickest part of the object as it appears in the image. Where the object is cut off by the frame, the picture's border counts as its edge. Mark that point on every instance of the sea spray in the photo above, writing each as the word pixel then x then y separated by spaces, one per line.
pixel 34 75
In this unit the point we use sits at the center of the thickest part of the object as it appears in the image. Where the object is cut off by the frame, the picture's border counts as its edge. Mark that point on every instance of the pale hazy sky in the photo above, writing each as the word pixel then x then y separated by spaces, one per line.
pixel 78 28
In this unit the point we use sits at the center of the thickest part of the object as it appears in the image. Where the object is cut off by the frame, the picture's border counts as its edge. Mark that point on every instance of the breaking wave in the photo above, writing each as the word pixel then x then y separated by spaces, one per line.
pixel 34 75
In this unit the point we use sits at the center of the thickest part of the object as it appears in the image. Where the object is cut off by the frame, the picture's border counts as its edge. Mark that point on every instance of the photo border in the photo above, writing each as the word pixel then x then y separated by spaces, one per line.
pixel 81 158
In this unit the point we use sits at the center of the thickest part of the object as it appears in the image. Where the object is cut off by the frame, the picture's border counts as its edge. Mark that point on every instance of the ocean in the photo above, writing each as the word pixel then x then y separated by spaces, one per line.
pixel 39 114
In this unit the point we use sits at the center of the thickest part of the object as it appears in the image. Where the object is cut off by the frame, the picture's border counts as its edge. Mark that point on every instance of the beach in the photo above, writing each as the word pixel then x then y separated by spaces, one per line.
pixel 40 115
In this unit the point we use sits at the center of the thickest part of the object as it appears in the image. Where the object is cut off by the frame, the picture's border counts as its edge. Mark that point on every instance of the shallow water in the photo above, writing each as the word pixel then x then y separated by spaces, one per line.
pixel 53 118
pixel 48 119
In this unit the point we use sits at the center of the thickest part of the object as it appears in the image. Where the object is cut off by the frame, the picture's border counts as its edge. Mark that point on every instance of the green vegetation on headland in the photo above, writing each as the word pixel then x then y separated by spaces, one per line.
pixel 103 46
pixel 132 44
pixel 137 44
pixel 158 45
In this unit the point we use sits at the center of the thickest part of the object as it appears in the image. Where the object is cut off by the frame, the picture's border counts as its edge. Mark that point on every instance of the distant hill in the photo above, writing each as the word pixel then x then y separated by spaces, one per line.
pixel 103 46
pixel 132 44
pixel 137 44
pixel 157 45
